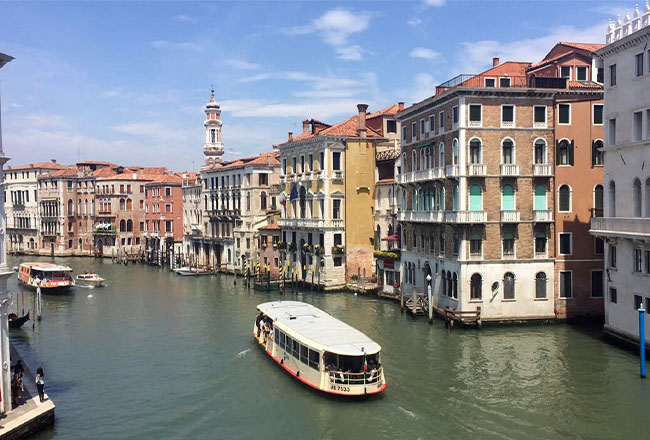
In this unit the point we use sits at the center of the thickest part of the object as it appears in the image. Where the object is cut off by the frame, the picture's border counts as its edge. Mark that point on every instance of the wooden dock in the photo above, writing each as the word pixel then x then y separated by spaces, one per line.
pixel 469 317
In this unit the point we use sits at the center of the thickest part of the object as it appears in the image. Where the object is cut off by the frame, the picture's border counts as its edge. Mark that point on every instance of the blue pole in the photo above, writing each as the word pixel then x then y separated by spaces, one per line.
pixel 642 338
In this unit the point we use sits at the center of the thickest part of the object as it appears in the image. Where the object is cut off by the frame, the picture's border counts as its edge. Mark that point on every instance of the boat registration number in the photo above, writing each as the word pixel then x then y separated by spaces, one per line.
pixel 340 388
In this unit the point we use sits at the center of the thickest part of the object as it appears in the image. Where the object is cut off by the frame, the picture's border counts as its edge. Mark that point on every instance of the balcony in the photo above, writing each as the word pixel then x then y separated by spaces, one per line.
pixel 104 229
pixel 510 216
pixel 421 216
pixel 476 169
pixel 451 170
pixel 542 215
pixel 439 172
pixel 509 169
pixel 309 223
pixel 632 228
pixel 406 178
pixel 466 216
pixel 337 175
pixel 424 175
pixel 542 169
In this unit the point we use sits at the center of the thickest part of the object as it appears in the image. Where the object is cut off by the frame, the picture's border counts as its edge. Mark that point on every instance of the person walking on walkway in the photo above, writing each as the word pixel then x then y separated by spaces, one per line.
pixel 40 383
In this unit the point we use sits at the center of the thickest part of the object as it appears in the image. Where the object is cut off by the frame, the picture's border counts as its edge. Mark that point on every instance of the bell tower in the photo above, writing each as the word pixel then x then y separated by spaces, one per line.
pixel 213 148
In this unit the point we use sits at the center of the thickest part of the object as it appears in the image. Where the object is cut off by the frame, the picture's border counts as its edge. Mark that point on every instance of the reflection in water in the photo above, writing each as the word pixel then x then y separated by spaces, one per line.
pixel 155 355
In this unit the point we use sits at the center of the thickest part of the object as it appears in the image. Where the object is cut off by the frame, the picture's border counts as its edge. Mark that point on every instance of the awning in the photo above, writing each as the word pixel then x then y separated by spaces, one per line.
pixel 394 237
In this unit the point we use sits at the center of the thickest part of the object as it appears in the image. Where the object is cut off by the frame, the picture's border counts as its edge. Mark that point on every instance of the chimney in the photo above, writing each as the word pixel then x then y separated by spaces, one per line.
pixel 362 120
pixel 53 160
pixel 400 105
pixel 290 136
pixel 275 147
pixel 495 61
pixel 305 126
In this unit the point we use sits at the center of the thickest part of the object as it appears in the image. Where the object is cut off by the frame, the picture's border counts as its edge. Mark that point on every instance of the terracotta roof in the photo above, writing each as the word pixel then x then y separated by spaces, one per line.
pixel 389 180
pixel 167 178
pixel 271 227
pixel 104 172
pixel 97 162
pixel 392 110
pixel 127 176
pixel 511 68
pixel 68 171
pixel 38 165
pixel 261 159
pixel 584 85
pixel 591 47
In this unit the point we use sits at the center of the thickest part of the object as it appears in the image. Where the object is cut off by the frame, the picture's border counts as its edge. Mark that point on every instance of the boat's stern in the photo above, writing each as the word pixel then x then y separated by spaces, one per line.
pixel 355 384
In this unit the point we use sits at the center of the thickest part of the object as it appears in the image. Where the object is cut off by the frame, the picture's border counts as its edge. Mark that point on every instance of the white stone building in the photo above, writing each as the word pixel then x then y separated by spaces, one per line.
pixel 21 205
pixel 626 222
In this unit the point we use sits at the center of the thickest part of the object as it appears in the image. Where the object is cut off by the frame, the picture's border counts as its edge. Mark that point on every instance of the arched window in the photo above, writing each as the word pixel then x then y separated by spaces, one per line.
pixel 434 199
pixel 122 226
pixel 423 158
pixel 122 204
pixel 129 204
pixel 598 201
pixel 454 152
pixel 596 153
pixel 612 199
pixel 443 283
pixel 539 203
pixel 378 238
pixel 79 207
pixel 129 225
pixel 475 151
pixel 414 162
pixel 507 152
pixel 86 207
pixel 442 198
pixel 248 201
pixel 454 197
pixel 450 285
pixel 508 198
pixel 540 285
pixel 475 198
pixel 564 153
pixel 509 286
pixel 565 198
pixel 441 149
pixel 263 203
pixel 455 285
pixel 476 287
pixel 70 207
pixel 403 162
pixel 540 151
pixel 636 190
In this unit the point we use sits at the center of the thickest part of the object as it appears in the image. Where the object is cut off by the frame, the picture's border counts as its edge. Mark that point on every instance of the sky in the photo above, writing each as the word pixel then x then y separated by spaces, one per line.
pixel 127 82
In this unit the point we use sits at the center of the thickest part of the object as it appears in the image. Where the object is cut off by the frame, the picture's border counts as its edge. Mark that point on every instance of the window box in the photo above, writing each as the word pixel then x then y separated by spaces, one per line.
pixel 338 249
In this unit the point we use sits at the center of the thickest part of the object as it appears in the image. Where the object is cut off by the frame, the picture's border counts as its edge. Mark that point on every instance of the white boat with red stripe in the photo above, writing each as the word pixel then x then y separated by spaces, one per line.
pixel 318 349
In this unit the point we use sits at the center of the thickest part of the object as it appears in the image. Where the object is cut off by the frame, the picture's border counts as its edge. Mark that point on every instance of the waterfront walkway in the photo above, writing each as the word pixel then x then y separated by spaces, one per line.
pixel 32 415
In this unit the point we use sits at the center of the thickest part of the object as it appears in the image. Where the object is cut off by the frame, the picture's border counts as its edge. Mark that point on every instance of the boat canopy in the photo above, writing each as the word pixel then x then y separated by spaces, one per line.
pixel 318 329
pixel 51 268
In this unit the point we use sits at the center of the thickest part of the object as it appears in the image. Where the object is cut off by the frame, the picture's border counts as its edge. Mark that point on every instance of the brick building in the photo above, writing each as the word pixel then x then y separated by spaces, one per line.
pixel 163 227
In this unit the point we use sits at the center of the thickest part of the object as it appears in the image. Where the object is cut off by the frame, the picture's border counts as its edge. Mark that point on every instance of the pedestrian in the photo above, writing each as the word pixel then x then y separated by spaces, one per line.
pixel 40 383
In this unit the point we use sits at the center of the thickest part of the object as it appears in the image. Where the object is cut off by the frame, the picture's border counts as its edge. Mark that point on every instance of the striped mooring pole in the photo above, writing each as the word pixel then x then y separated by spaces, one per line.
pixel 642 338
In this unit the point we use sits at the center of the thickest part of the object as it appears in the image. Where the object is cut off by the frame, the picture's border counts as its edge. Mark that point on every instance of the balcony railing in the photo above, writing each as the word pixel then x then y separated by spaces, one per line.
pixel 509 169
pixel 542 169
pixel 510 216
pixel 421 216
pixel 451 170
pixel 476 169
pixel 337 175
pixel 542 215
pixel 466 216
pixel 310 223
pixel 439 172
pixel 623 227
pixel 501 82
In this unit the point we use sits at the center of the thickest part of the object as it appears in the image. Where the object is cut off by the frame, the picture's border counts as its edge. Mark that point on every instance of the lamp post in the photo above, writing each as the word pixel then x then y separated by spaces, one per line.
pixel 430 302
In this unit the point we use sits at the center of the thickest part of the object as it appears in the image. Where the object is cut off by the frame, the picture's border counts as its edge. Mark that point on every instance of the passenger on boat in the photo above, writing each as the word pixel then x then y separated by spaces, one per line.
pixel 258 323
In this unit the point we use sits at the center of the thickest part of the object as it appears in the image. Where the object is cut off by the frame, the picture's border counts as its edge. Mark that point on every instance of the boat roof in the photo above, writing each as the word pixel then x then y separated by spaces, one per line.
pixel 47 267
pixel 319 329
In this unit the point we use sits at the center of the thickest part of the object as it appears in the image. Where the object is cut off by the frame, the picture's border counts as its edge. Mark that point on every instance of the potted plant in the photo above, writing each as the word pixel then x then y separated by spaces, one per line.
pixel 338 249
pixel 291 246
pixel 318 249
pixel 282 245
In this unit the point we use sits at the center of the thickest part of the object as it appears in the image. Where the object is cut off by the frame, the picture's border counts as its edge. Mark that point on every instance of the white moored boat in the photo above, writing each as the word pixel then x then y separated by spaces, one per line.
pixel 90 280
pixel 318 349
pixel 192 271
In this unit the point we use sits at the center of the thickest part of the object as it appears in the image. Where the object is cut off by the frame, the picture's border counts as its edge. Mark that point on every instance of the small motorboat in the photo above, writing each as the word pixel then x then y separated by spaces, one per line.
pixel 90 280
pixel 192 271
pixel 15 268
pixel 16 321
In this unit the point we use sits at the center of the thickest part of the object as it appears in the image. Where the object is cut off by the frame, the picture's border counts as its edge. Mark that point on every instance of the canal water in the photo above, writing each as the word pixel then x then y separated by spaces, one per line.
pixel 159 356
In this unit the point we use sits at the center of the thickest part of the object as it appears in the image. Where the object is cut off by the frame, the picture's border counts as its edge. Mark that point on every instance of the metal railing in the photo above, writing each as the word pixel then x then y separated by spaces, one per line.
pixel 346 378
pixel 501 82
pixel 466 216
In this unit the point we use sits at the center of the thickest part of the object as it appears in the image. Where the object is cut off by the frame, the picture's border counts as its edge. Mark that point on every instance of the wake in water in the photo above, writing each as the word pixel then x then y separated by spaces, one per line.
pixel 411 414
pixel 242 354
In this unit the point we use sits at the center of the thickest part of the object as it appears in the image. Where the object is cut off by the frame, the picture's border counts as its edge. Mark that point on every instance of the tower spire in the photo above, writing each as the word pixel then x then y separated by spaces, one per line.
pixel 213 147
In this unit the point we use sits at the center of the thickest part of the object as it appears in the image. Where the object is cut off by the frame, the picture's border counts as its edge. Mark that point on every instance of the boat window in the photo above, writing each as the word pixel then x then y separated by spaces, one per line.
pixel 314 359
pixel 304 354
pixel 296 349
pixel 288 342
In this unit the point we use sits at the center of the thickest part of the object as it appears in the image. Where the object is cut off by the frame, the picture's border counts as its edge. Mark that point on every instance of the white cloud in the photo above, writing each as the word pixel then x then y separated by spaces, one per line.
pixel 477 56
pixel 182 45
pixel 414 22
pixel 321 109
pixel 185 18
pixel 239 64
pixel 435 3
pixel 154 130
pixel 424 53
pixel 335 27
pixel 425 86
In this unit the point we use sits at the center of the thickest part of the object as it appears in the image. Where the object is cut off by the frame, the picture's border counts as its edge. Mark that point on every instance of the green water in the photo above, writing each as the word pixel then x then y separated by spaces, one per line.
pixel 159 356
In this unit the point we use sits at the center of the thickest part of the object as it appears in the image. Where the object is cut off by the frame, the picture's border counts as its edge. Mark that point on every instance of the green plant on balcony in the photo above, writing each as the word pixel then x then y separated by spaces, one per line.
pixel 391 255
pixel 338 249
pixel 307 248
pixel 291 246
pixel 318 249
pixel 281 245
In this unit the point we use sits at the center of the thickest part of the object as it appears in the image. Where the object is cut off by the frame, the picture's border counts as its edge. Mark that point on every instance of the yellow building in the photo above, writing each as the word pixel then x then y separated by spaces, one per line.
pixel 327 195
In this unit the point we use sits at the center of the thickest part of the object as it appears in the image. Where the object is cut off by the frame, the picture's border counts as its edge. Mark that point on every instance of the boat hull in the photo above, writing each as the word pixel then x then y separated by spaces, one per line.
pixel 48 289
pixel 350 391
pixel 91 283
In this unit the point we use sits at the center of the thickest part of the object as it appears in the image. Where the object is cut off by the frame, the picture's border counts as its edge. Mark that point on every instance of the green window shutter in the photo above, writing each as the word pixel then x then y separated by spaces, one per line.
pixel 540 197
pixel 557 152
pixel 571 152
